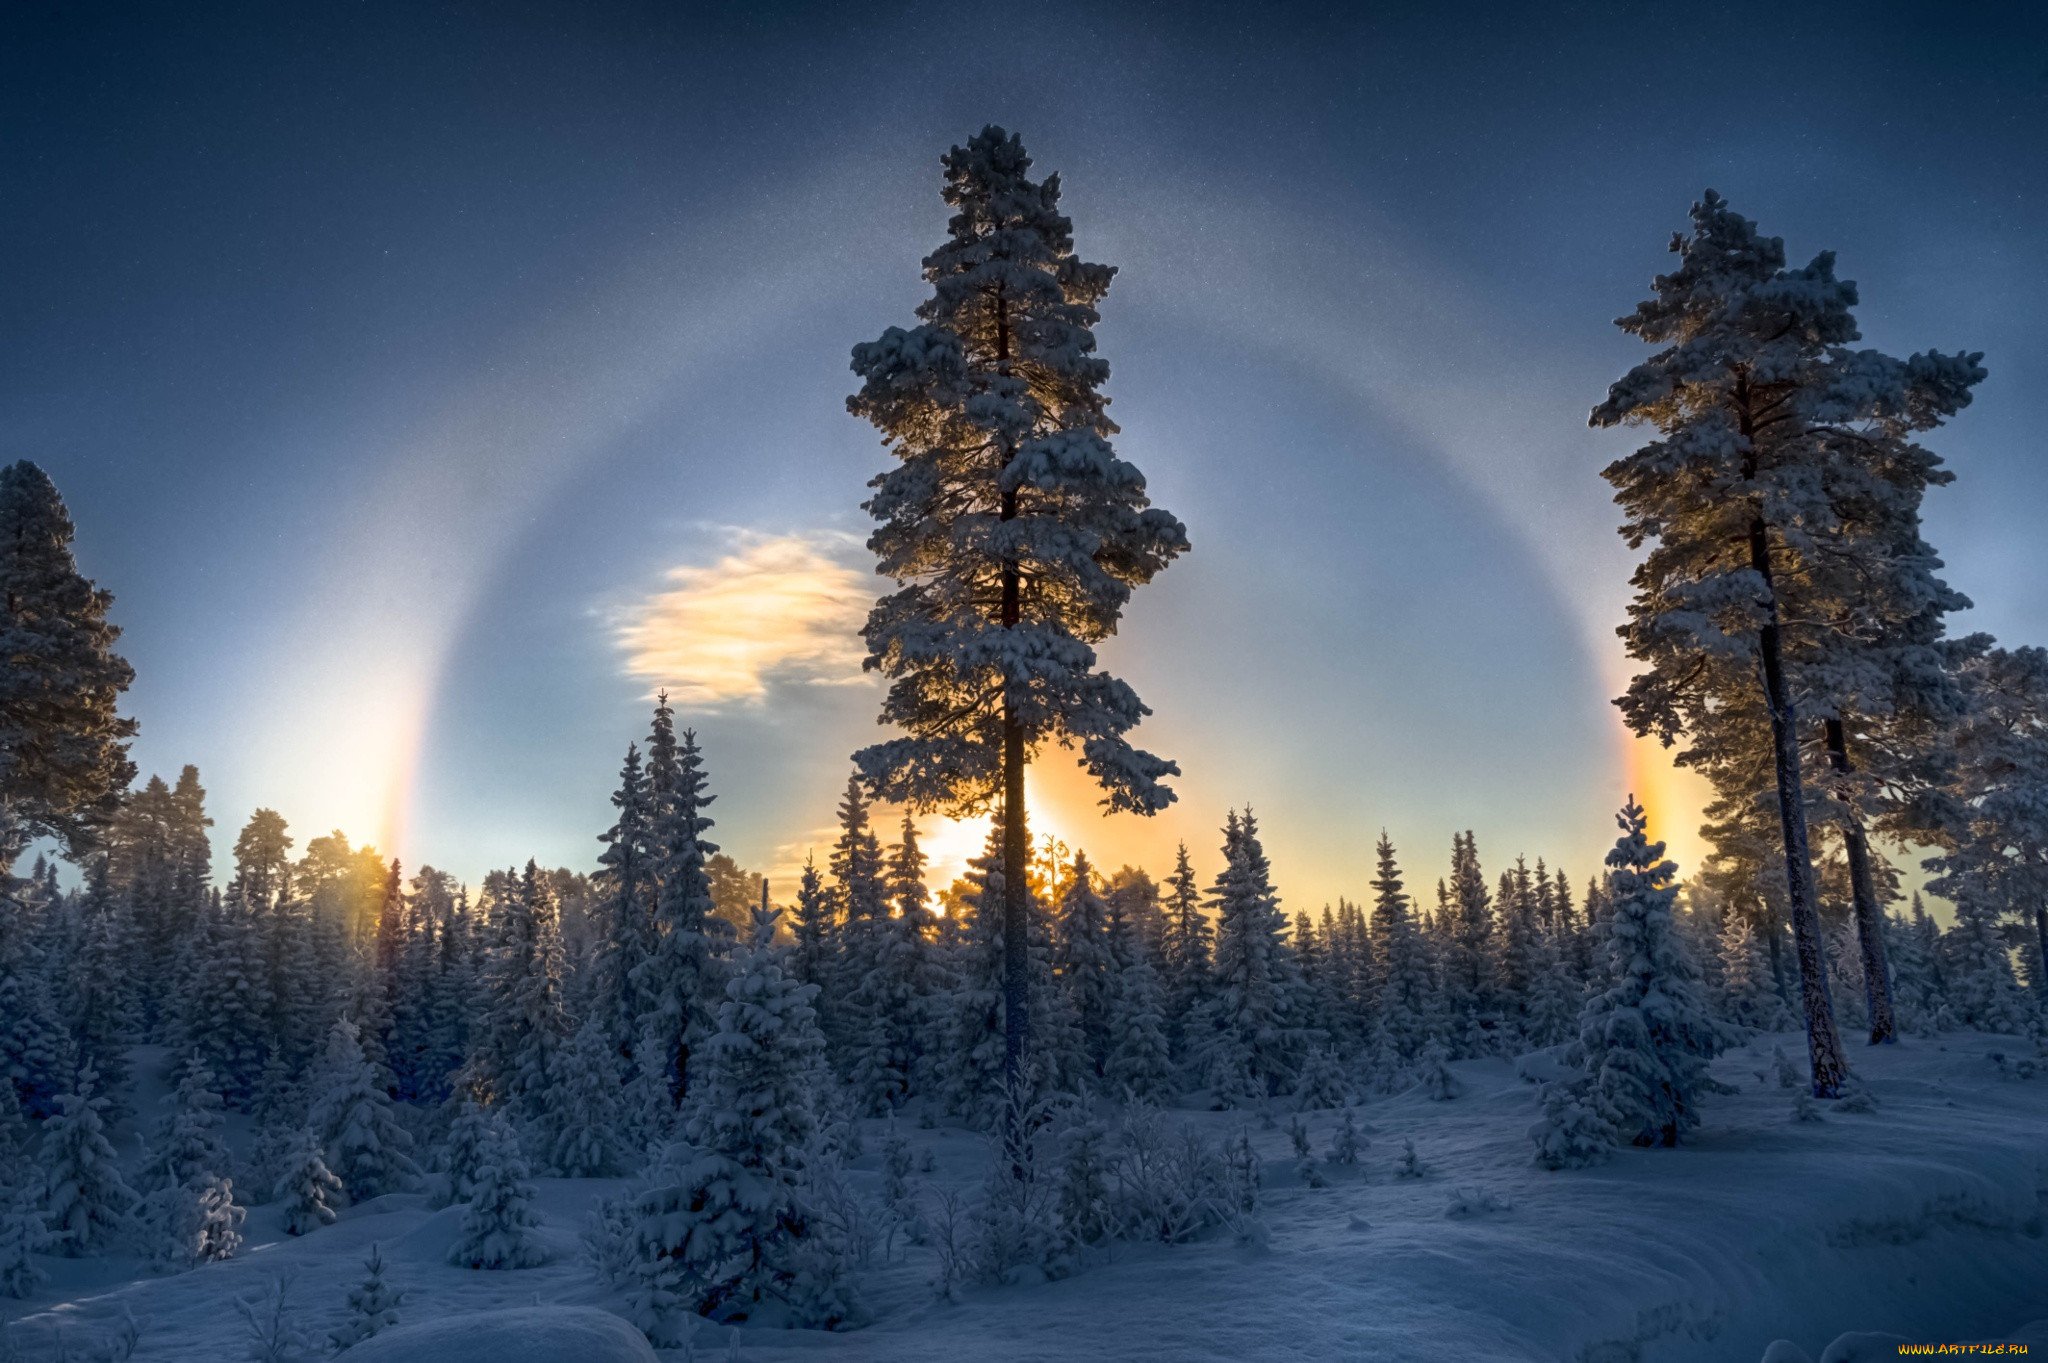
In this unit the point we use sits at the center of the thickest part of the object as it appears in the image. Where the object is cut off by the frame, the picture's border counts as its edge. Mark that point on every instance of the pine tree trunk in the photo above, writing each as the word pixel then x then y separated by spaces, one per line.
pixel 1016 838
pixel 1823 1043
pixel 1877 974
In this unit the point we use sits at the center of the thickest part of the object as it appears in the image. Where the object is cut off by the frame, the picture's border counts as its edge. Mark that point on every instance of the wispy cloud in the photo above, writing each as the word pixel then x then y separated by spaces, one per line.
pixel 775 609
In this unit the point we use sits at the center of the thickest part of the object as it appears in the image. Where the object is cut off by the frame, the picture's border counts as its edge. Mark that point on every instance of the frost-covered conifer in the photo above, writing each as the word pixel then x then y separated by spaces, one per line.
pixel 1185 960
pixel 1433 1072
pixel 364 1144
pixel 1015 530
pixel 1349 1141
pixel 1249 1040
pixel 681 977
pixel 1775 501
pixel 498 1219
pixel 1644 1041
pixel 1085 963
pixel 310 1191
pixel 63 747
pixel 1140 1059
pixel 86 1203
pixel 728 1231
pixel 583 1105
pixel 1405 1002
pixel 22 1237
pixel 1747 996
pixel 372 1305
pixel 628 933
pixel 895 998
pixel 192 1207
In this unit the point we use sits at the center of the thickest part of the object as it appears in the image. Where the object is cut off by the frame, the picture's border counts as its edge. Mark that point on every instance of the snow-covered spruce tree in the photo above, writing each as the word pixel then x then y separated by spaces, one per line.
pixel 530 1019
pixel 191 1205
pixel 1251 1029
pixel 628 935
pixel 63 747
pixel 498 1220
pixel 860 893
pixel 98 1000
pixel 682 975
pixel 970 1050
pixel 372 1305
pixel 1747 998
pixel 894 999
pixel 22 1237
pixel 312 1195
pixel 1140 1061
pixel 362 1141
pixel 1016 532
pixel 583 1104
pixel 1471 965
pixel 1406 1010
pixel 1756 478
pixel 1645 1041
pixel 728 1230
pixel 815 932
pixel 1993 828
pixel 1185 951
pixel 1085 964
pixel 86 1202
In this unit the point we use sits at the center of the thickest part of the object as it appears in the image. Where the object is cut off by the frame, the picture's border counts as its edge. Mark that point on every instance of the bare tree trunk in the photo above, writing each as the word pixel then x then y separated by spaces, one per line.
pixel 1823 1043
pixel 1877 971
pixel 2041 940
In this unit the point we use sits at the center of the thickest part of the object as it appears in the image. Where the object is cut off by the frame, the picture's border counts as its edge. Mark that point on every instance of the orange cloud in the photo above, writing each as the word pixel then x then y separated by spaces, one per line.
pixel 777 609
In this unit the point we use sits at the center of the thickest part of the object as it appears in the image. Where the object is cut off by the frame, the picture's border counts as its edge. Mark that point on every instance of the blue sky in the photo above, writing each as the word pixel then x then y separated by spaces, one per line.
pixel 396 359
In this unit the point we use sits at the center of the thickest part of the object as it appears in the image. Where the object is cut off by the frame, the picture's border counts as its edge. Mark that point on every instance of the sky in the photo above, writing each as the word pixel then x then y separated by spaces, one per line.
pixel 431 383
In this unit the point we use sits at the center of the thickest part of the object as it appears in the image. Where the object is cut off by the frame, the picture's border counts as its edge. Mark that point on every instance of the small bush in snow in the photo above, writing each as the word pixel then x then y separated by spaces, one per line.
pixel 1804 1108
pixel 1411 1165
pixel 1473 1202
pixel 1349 1142
pixel 372 1305
pixel 1433 1071
pixel 270 1327
pixel 1571 1134
pixel 1305 1167
pixel 1788 1076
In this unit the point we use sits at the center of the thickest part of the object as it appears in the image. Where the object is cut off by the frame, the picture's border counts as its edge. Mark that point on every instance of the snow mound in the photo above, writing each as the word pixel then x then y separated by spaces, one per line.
pixel 531 1334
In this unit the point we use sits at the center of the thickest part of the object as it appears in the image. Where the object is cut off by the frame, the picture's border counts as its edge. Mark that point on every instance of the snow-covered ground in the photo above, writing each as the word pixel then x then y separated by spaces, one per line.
pixel 1924 1218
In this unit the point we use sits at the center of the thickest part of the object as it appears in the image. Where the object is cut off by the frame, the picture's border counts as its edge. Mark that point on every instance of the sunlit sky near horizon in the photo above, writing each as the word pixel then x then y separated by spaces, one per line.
pixel 431 383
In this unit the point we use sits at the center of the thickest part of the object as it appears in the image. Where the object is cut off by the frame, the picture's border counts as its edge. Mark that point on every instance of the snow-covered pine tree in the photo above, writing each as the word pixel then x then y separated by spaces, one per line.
pixel 311 1193
pixel 372 1305
pixel 63 746
pixel 682 975
pixel 994 406
pixel 815 932
pixel 1751 498
pixel 728 1231
pixel 86 1203
pixel 1644 1041
pixel 498 1220
pixel 361 1138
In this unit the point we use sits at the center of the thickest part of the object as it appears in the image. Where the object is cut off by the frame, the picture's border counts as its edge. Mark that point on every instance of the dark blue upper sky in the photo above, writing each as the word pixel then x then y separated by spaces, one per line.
pixel 392 356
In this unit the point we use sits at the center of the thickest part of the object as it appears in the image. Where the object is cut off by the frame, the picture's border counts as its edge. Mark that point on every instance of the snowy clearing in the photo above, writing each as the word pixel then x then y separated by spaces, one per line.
pixel 1924 1219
